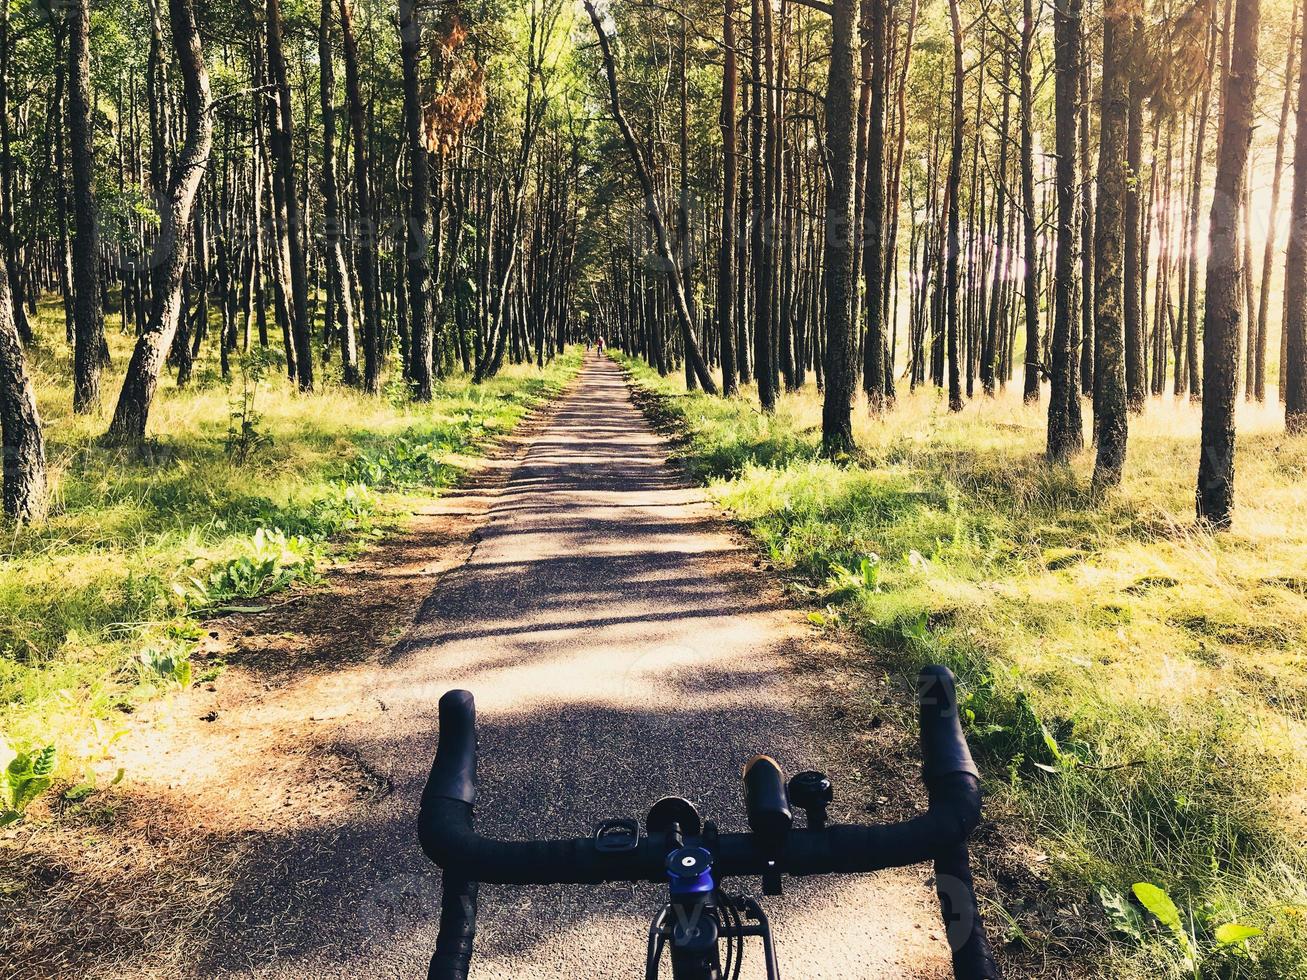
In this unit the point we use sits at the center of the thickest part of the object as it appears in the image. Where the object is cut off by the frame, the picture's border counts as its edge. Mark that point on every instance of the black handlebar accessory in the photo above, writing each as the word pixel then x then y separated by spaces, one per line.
pixel 672 812
pixel 765 801
pixel 773 848
pixel 812 793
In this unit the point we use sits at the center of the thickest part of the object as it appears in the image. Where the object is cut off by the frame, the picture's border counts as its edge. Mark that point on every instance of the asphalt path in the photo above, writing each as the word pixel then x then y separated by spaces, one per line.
pixel 621 646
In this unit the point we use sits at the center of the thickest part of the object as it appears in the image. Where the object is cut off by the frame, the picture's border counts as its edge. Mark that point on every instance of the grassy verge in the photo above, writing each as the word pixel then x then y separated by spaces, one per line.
pixel 1136 689
pixel 246 488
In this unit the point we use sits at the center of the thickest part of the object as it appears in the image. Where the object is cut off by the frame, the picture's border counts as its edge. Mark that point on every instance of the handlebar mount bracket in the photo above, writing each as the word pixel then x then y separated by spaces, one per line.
pixel 617 836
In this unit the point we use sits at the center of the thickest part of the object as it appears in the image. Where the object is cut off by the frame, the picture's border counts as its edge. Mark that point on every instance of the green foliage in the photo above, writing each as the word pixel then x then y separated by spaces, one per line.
pixel 402 463
pixel 89 786
pixel 164 666
pixel 271 562
pixel 1195 945
pixel 845 582
pixel 23 778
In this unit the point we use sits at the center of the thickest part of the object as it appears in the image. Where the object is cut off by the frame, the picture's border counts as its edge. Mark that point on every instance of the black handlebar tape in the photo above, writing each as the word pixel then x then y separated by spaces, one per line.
pixel 944 750
pixel 458 927
pixel 972 957
pixel 449 840
pixel 765 799
pixel 454 773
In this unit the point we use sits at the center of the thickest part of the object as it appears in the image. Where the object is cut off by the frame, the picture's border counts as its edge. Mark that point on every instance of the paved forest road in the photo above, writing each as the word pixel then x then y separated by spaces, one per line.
pixel 621 648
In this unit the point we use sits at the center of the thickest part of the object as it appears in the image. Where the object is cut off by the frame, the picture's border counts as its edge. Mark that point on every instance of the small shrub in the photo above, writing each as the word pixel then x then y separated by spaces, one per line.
pixel 1200 945
pixel 243 429
pixel 402 463
pixel 164 666
pixel 273 562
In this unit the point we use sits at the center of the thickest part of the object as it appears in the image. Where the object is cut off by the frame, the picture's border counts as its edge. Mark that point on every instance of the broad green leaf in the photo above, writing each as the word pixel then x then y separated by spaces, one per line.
pixel 1159 903
pixel 1234 932
pixel 79 792
pixel 1124 917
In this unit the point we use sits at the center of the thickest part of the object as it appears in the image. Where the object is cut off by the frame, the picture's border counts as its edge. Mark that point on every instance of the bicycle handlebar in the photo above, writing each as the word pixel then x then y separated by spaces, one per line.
pixel 446 832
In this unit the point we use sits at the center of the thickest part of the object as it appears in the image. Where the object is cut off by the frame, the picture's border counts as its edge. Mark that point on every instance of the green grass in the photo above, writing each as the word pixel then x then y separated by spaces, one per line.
pixel 140 544
pixel 1136 688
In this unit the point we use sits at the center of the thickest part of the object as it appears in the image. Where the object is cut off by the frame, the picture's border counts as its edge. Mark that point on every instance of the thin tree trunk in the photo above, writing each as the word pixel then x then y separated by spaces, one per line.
pixel 1030 390
pixel 365 222
pixel 288 203
pixel 1086 240
pixel 1295 267
pixel 1268 255
pixel 88 332
pixel 339 299
pixel 1065 431
pixel 1136 390
pixel 726 270
pixel 1195 198
pixel 841 142
pixel 873 221
pixel 953 205
pixel 760 161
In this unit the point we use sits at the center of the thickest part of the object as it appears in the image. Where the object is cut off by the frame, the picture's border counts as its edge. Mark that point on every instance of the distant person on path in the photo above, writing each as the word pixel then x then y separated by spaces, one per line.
pixel 600 345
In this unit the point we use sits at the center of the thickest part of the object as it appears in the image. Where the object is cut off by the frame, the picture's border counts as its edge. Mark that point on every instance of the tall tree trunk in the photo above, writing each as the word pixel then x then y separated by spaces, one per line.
pixel 288 203
pixel 339 299
pixel 1110 409
pixel 419 206
pixel 726 270
pixel 873 221
pixel 1193 369
pixel 684 239
pixel 989 345
pixel 1221 314
pixel 1086 240
pixel 1030 390
pixel 953 204
pixel 88 332
pixel 1268 255
pixel 760 162
pixel 1065 431
pixel 132 413
pixel 651 205
pixel 1295 267
pixel 365 222
pixel 841 141
pixel 1136 388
